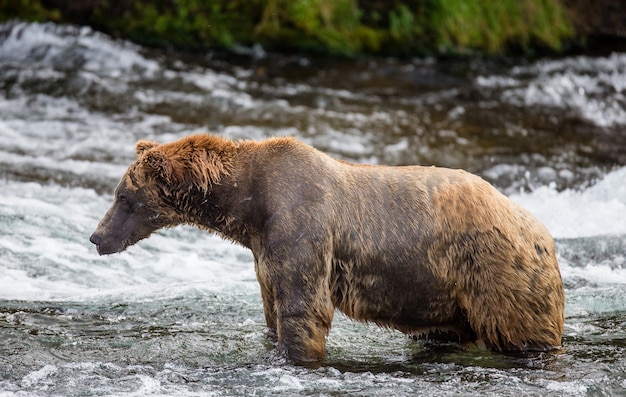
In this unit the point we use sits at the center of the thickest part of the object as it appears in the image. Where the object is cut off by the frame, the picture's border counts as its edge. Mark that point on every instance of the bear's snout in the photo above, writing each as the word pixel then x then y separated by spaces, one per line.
pixel 96 239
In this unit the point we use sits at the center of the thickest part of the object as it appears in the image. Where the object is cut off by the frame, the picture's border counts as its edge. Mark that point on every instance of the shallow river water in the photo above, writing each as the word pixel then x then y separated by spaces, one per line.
pixel 180 313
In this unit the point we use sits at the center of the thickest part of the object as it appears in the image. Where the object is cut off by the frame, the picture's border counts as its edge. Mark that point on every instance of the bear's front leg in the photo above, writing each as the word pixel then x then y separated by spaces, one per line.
pixel 267 294
pixel 269 308
pixel 303 322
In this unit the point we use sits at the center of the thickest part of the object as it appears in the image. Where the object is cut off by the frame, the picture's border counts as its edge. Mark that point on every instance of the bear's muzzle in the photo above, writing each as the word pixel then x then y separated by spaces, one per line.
pixel 96 240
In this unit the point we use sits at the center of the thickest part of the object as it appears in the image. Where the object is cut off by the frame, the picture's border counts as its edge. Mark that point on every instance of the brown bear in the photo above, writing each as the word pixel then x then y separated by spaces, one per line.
pixel 433 252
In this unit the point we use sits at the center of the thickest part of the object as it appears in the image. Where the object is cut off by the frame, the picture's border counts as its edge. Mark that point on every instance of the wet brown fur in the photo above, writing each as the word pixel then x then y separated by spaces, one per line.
pixel 432 252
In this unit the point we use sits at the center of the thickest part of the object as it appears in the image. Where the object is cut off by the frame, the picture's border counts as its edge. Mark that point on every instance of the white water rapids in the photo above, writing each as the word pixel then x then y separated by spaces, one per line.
pixel 180 312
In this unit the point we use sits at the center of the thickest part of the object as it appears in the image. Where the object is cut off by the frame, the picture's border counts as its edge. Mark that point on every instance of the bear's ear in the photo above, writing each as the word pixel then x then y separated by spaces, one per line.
pixel 158 164
pixel 143 145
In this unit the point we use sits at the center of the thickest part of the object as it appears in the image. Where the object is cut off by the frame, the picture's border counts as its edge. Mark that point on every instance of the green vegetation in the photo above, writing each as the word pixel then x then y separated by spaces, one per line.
pixel 30 10
pixel 495 25
pixel 338 27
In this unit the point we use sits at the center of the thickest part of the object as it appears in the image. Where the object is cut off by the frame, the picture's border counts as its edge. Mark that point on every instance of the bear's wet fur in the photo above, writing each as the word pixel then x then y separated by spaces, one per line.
pixel 433 252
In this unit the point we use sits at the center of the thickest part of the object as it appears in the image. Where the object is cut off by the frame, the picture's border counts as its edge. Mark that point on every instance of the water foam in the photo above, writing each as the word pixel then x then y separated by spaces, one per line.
pixel 593 88
pixel 596 211
pixel 42 45
pixel 581 220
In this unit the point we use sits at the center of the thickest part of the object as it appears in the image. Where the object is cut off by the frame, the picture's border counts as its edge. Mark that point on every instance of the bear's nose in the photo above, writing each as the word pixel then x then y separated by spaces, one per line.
pixel 95 239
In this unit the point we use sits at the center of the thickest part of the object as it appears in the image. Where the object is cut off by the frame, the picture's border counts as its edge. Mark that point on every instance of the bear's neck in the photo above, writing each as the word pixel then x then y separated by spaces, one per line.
pixel 227 209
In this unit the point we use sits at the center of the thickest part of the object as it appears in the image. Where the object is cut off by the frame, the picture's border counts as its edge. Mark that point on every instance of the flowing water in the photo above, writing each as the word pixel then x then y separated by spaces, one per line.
pixel 180 313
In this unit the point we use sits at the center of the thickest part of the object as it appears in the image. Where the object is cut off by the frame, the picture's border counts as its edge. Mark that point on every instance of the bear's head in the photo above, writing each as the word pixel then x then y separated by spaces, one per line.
pixel 158 189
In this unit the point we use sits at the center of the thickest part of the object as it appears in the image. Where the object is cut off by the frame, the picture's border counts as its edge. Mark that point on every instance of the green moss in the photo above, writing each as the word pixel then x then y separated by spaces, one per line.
pixel 343 27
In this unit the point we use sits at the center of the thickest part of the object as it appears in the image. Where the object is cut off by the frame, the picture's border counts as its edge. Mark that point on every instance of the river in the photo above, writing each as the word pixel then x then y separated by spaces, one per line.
pixel 181 314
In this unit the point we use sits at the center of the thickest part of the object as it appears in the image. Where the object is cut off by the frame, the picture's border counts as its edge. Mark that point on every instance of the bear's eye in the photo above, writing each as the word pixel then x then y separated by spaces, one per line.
pixel 122 199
